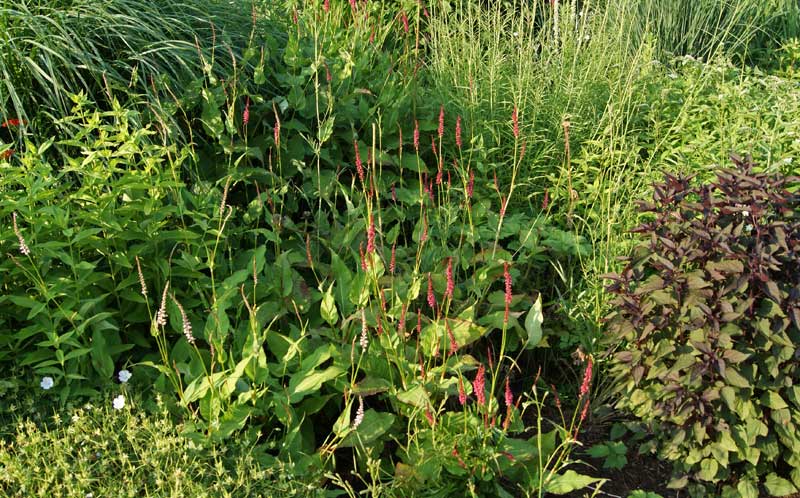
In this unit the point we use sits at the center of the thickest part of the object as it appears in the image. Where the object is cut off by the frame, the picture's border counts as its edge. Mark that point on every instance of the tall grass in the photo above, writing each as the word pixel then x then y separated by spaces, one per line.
pixel 132 50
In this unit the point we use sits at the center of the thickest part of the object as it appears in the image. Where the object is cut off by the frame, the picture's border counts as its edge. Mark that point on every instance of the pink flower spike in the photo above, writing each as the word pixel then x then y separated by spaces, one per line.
pixel 246 113
pixel 404 18
pixel 452 337
pixel 471 184
pixel 371 235
pixel 431 296
pixel 359 166
pixel 587 378
pixel 462 395
pixel 451 285
pixel 326 5
pixel 509 396
pixel 508 295
pixel 441 121
pixel 515 121
pixel 479 384
pixel 392 261
pixel 458 132
pixel 416 135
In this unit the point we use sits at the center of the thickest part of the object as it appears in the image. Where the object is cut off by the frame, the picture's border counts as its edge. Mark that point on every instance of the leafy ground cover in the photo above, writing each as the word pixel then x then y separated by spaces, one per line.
pixel 372 248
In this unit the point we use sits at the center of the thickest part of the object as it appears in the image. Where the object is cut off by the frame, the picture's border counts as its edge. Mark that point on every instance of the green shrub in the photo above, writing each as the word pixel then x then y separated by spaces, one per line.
pixel 708 311
pixel 95 450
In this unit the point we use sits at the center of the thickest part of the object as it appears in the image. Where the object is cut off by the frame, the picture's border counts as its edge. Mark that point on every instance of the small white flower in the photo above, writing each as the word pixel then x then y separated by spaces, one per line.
pixel 119 402
pixel 46 383
pixel 359 413
pixel 124 376
pixel 745 213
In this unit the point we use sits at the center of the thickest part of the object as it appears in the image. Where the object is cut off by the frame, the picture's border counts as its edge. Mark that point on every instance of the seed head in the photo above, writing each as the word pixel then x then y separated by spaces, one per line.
pixel 359 413
pixel 187 325
pixel 161 315
pixel 364 342
pixel 23 247
pixel 141 277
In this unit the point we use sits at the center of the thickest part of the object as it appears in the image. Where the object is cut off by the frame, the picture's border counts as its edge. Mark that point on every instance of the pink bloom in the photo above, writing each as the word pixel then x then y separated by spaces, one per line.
pixel 471 184
pixel 429 416
pixel 585 411
pixel 359 166
pixel 441 121
pixel 405 21
pixel 392 260
pixel 277 129
pixel 546 200
pixel 522 149
pixel 401 325
pixel 13 122
pixel 462 395
pixel 452 337
pixel 371 235
pixel 515 121
pixel 424 235
pixel 458 132
pixel 587 378
pixel 246 113
pixel 23 247
pixel 326 5
pixel 363 259
pixel 431 296
pixel 479 384
pixel 416 135
pixel 451 285
pixel 509 396
pixel 508 296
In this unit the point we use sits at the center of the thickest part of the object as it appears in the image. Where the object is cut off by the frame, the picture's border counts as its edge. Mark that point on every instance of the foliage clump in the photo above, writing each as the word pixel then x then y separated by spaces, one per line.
pixel 708 311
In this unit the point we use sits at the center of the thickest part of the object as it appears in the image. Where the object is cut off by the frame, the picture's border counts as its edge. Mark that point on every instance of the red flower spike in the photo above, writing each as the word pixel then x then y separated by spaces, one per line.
pixel 462 394
pixel 416 135
pixel 326 5
pixel 546 200
pixel 401 325
pixel 404 18
pixel 13 122
pixel 392 260
pixel 509 396
pixel 246 113
pixel 441 121
pixel 7 153
pixel 471 184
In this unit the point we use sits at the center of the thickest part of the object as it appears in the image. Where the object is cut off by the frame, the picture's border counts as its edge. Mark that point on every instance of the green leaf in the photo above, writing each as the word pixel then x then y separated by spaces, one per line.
pixel 747 489
pixel 533 324
pixel 328 307
pixel 374 425
pixel 734 378
pixel 567 482
pixel 416 396
pixel 303 383
pixel 778 486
